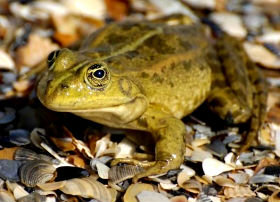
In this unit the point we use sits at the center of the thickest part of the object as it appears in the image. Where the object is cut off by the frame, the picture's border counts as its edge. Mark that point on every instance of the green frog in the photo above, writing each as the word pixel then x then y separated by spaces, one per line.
pixel 148 75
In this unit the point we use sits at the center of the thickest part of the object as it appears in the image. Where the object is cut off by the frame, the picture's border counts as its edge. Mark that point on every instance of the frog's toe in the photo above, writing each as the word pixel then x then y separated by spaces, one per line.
pixel 143 164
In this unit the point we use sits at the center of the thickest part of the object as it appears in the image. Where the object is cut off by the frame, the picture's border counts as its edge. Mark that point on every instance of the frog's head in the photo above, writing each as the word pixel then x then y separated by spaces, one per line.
pixel 76 83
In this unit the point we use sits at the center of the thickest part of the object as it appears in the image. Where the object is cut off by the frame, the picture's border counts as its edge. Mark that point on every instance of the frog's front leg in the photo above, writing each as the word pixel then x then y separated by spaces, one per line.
pixel 168 133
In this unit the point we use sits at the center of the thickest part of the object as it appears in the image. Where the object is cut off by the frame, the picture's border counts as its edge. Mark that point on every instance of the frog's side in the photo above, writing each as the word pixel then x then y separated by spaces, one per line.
pixel 147 76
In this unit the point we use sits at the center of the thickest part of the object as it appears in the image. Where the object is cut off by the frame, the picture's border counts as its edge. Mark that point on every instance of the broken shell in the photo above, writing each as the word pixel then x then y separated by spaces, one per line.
pixel 147 196
pixel 180 198
pixel 6 62
pixel 262 179
pixel 184 175
pixel 259 54
pixel 37 136
pixel 17 190
pixel 33 197
pixel 134 189
pixel 6 196
pixel 193 186
pixel 238 191
pixel 9 169
pixel 199 155
pixel 213 167
pixel 239 178
pixel 102 170
pixel 36 172
pixel 123 172
pixel 19 137
pixel 223 181
pixel 23 154
pixel 125 149
pixel 230 23
pixel 7 116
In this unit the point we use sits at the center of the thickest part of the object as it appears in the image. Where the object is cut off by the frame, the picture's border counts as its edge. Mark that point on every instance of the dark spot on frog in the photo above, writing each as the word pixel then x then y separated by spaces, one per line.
pixel 144 75
pixel 156 78
pixel 187 65
pixel 171 84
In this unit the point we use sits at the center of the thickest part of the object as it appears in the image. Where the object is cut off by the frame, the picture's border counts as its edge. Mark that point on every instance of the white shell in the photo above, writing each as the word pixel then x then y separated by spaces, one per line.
pixel 102 170
pixel 200 155
pixel 6 61
pixel 230 23
pixel 125 149
pixel 213 167
pixel 271 37
pixel 210 4
pixel 17 190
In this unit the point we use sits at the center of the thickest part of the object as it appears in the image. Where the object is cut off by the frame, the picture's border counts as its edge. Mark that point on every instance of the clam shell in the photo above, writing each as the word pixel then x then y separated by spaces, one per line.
pixel 9 170
pixel 87 187
pixel 125 149
pixel 238 191
pixel 134 189
pixel 223 181
pixel 36 172
pixel 213 167
pixel 239 178
pixel 257 179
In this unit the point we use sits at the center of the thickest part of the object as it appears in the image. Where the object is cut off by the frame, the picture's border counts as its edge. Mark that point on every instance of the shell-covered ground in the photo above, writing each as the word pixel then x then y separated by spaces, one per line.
pixel 45 157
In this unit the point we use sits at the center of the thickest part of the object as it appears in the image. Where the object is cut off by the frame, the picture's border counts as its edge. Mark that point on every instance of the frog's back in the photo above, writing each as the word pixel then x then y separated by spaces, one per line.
pixel 167 62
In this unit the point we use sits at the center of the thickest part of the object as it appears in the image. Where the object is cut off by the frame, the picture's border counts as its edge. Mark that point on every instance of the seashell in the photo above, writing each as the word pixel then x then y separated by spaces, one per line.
pixel 200 142
pixel 36 172
pixel 199 155
pixel 232 139
pixel 203 132
pixel 123 172
pixel 23 154
pixel 223 181
pixel 202 197
pixel 148 196
pixel 259 54
pixel 134 189
pixel 17 190
pixel 102 145
pixel 70 172
pixel 65 143
pixel 193 186
pixel 7 116
pixel 275 197
pixel 238 191
pixel 85 8
pixel 270 37
pixel 168 7
pixel 6 61
pixel 19 137
pixel 6 196
pixel 37 136
pixel 204 4
pixel 239 178
pixel 215 199
pixel 261 178
pixel 102 170
pixel 213 167
pixel 33 197
pixel 218 148
pixel 8 153
pixel 230 23
pixel 76 160
pixel 87 187
pixel 125 149
pixel 184 175
pixel 180 198
pixel 237 199
pixel 9 169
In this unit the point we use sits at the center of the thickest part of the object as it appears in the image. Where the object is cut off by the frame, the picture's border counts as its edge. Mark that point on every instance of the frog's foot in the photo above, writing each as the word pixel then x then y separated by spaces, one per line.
pixel 135 162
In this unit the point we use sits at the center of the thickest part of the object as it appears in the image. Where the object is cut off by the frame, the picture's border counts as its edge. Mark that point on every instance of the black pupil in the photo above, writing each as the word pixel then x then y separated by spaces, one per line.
pixel 51 56
pixel 99 73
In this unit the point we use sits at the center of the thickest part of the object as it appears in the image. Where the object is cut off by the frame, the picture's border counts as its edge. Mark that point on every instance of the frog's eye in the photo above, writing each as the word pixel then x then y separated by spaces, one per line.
pixel 97 76
pixel 51 58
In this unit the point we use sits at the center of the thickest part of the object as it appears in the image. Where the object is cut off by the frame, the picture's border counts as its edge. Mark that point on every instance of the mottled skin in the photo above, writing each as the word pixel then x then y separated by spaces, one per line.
pixel 153 74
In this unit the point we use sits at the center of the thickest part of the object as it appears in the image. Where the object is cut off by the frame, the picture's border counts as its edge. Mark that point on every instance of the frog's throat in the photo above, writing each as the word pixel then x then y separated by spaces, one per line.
pixel 115 116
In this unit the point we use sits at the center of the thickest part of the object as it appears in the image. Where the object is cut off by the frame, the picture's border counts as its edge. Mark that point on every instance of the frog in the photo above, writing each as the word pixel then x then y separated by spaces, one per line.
pixel 147 75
